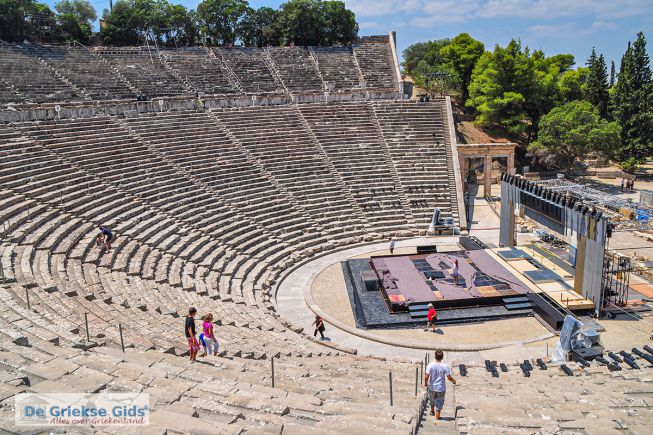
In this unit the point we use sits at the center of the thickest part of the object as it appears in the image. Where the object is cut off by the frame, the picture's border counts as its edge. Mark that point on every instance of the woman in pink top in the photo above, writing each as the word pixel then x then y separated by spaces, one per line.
pixel 211 342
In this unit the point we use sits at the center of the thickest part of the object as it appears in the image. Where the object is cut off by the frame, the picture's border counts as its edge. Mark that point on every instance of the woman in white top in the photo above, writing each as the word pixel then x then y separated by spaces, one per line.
pixel 455 272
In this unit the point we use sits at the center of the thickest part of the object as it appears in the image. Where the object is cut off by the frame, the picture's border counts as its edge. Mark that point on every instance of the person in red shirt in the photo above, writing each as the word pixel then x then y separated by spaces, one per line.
pixel 431 316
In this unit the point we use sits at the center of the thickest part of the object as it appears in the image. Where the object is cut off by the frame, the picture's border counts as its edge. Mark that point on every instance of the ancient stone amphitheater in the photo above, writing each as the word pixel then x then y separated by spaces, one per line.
pixel 220 170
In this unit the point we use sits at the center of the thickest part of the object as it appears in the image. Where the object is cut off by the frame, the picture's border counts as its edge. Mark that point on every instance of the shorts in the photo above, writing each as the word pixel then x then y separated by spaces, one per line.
pixel 109 238
pixel 193 345
pixel 432 321
pixel 437 399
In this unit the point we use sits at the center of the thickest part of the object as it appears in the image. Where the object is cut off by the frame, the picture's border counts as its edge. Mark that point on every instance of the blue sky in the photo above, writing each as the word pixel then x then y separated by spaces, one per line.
pixel 555 26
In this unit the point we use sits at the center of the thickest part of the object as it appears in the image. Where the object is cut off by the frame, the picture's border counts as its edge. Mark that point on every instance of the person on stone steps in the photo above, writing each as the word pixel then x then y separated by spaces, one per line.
pixel 211 343
pixel 319 326
pixel 189 330
pixel 104 237
pixel 436 384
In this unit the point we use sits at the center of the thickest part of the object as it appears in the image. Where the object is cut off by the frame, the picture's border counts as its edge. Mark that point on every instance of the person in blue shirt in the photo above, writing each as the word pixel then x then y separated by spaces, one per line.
pixel 104 237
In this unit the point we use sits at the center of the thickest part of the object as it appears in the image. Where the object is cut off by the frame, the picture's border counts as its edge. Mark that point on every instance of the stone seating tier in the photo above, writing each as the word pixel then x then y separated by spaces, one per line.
pixel 210 209
pixel 33 73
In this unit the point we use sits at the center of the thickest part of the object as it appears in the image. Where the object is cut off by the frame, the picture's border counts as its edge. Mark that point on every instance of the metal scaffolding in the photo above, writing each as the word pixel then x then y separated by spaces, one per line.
pixel 640 218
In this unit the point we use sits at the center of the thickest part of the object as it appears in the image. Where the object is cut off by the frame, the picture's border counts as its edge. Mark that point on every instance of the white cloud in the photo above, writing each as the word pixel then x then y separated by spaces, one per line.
pixel 549 9
pixel 427 11
pixel 370 25
pixel 567 30
pixel 603 25
pixel 377 8
pixel 446 12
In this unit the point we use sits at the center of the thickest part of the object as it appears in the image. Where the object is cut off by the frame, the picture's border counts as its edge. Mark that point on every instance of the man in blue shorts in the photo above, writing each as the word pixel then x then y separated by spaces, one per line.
pixel 105 236
pixel 436 384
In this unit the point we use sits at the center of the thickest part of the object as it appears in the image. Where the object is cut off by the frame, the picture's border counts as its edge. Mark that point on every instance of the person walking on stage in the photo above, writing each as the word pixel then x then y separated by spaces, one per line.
pixel 455 272
pixel 435 382
pixel 392 246
pixel 431 317
pixel 319 326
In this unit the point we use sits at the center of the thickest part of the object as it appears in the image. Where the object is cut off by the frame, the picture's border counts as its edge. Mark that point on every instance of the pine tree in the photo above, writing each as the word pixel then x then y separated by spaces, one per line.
pixel 612 73
pixel 597 91
pixel 634 102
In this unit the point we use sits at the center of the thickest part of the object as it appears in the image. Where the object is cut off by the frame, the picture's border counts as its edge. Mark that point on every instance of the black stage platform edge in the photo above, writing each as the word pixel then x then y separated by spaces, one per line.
pixel 548 310
pixel 427 249
pixel 370 309
pixel 470 243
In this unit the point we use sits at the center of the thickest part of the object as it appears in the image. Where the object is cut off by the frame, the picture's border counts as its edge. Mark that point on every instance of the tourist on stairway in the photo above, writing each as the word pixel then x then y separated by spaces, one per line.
pixel 434 381
pixel 104 237
pixel 319 326
pixel 189 329
pixel 211 344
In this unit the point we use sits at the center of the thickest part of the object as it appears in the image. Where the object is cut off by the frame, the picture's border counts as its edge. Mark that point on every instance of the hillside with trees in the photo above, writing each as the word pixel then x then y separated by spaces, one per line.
pixel 557 111
pixel 214 22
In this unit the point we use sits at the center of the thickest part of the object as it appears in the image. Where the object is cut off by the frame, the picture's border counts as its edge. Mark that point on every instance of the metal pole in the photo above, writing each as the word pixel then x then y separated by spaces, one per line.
pixel 547 350
pixel 272 363
pixel 122 342
pixel 88 337
pixel 27 297
pixel 421 370
pixel 390 378
pixel 416 379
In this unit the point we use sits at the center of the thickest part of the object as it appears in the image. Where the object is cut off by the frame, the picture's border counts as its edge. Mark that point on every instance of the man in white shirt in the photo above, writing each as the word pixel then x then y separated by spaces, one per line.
pixel 392 246
pixel 435 382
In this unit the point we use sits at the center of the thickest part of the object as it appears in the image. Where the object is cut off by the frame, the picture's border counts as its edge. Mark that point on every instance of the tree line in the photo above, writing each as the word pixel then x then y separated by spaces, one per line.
pixel 214 22
pixel 560 112
pixel 22 20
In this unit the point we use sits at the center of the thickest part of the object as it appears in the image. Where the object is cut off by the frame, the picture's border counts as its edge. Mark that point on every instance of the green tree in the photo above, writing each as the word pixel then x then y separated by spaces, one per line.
pixel 571 131
pixel 221 19
pixel 131 21
pixel 119 28
pixel 572 84
pixel 301 22
pixel 341 26
pixel 82 9
pixel 14 27
pixel 72 28
pixel 462 54
pixel 612 73
pixel 74 19
pixel 512 88
pixel 633 102
pixel 425 53
pixel 43 23
pixel 501 82
pixel 181 25
pixel 424 58
pixel 597 89
pixel 259 27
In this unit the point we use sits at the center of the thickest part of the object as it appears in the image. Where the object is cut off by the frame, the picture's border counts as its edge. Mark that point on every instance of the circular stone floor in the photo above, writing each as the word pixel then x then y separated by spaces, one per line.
pixel 318 287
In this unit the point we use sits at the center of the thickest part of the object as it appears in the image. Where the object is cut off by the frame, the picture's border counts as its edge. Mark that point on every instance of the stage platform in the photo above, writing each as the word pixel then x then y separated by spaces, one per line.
pixel 420 279
pixel 393 291
pixel 370 309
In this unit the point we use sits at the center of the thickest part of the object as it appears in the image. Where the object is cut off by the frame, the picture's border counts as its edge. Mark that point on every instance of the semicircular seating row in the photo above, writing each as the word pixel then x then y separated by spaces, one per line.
pixel 210 208
pixel 35 74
